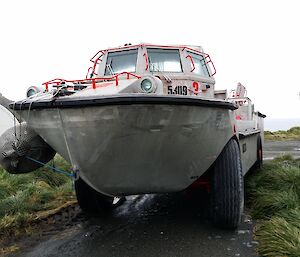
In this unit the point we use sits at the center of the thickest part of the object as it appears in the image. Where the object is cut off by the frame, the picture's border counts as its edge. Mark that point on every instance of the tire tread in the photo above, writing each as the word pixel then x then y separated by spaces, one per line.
pixel 227 198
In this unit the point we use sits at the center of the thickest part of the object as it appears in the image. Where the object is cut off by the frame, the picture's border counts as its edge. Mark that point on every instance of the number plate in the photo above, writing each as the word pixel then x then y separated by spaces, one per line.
pixel 177 90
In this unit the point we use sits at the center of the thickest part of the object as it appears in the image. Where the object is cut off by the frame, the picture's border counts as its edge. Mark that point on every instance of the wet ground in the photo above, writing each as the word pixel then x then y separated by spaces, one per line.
pixel 148 225
pixel 277 148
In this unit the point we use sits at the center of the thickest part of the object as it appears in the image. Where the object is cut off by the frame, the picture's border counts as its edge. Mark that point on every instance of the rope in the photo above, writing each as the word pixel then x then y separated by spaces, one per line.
pixel 71 175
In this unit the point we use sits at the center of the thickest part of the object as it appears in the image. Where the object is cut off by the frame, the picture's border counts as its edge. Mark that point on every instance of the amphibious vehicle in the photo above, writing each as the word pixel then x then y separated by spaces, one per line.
pixel 146 119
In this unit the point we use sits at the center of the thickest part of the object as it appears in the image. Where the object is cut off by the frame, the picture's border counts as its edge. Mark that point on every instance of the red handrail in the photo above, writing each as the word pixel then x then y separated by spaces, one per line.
pixel 192 61
pixel 93 81
pixel 208 60
pixel 147 61
pixel 100 51
pixel 96 61
pixel 87 74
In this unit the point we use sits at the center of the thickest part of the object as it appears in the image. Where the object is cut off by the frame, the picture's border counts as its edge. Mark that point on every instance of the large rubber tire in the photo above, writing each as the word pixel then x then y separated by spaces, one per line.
pixel 227 199
pixel 91 201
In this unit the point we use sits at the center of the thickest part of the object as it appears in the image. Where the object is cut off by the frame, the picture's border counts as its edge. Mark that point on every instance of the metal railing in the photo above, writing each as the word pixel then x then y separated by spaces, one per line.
pixel 90 81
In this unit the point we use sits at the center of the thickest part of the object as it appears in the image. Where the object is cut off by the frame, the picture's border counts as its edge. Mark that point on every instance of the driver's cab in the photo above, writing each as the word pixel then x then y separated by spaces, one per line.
pixel 245 110
pixel 183 70
pixel 244 115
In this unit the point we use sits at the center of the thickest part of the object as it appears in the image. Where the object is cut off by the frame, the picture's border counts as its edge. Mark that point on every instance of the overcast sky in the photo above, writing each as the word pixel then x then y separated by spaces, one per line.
pixel 253 42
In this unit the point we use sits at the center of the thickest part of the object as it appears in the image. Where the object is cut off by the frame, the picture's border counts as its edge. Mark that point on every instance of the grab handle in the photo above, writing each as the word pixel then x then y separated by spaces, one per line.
pixel 192 61
pixel 146 59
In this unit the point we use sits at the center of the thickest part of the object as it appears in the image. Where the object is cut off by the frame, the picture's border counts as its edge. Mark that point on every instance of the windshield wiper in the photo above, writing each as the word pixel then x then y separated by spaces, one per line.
pixel 110 69
pixel 155 68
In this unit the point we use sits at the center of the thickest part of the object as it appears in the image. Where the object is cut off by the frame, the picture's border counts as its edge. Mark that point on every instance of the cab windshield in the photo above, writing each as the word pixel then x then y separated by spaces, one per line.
pixel 167 60
pixel 121 61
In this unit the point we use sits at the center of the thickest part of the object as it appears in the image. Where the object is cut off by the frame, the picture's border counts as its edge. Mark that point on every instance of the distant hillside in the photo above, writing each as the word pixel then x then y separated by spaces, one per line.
pixel 290 134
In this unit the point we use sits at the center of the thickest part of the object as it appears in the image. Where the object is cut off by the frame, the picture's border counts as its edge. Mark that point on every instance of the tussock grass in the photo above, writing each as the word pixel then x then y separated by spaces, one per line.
pixel 278 237
pixel 269 203
pixel 23 196
pixel 274 197
pixel 291 134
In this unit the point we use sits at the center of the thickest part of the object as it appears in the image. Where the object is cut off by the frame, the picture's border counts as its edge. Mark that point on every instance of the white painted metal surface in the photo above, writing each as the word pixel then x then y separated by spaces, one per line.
pixel 6 119
pixel 133 146
pixel 134 149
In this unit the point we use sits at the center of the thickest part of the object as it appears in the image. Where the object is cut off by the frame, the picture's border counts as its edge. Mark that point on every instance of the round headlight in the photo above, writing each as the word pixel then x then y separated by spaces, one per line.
pixel 147 85
pixel 31 92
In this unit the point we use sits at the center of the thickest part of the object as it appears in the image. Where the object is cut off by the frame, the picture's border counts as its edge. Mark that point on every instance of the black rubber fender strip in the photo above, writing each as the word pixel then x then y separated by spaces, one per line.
pixel 73 102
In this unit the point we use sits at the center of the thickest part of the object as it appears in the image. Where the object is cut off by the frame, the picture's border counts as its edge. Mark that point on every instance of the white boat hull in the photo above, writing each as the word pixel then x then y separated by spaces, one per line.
pixel 7 120
pixel 136 148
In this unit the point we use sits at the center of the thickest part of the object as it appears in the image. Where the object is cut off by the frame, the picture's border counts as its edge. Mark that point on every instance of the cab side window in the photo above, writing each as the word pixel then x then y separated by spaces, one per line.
pixel 121 61
pixel 200 64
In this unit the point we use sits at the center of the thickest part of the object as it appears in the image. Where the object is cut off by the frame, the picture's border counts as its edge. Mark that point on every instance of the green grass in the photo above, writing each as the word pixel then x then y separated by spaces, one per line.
pixel 278 237
pixel 24 196
pixel 291 134
pixel 274 196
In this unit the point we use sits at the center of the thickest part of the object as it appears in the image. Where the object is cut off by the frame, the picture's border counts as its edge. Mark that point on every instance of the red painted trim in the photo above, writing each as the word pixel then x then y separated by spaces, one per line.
pixel 93 81
pixel 208 60
pixel 206 56
pixel 147 61
pixel 87 74
pixel 148 45
pixel 100 51
pixel 192 61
